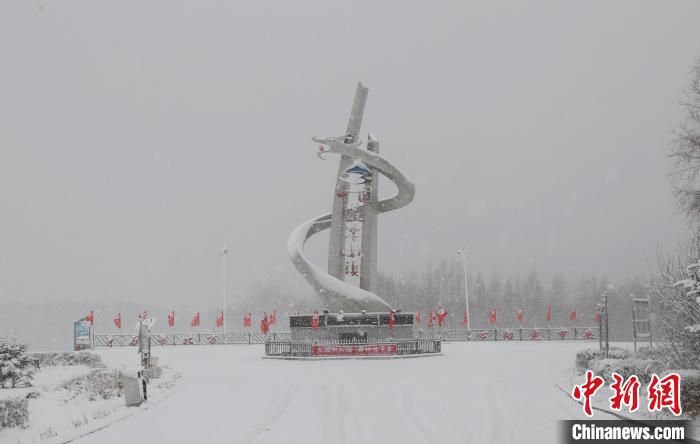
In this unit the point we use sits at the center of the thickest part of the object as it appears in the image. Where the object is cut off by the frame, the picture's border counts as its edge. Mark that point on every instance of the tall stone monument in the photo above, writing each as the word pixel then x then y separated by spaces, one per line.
pixel 351 309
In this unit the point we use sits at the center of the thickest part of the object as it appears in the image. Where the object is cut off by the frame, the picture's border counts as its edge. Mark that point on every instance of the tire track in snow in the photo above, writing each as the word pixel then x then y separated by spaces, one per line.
pixel 335 412
pixel 270 414
pixel 429 432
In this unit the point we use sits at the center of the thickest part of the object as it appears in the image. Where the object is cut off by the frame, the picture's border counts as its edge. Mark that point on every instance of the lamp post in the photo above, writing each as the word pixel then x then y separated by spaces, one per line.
pixel 224 252
pixel 463 253
pixel 603 323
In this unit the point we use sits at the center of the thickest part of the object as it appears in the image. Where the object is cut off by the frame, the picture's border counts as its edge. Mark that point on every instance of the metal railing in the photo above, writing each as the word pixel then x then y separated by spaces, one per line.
pixel 398 347
pixel 451 335
pixel 515 334
pixel 174 339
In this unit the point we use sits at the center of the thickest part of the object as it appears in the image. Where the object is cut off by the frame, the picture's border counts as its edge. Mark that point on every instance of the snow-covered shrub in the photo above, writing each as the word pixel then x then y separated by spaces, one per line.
pixel 662 353
pixel 55 359
pixel 585 357
pixel 98 384
pixel 14 412
pixel 80 421
pixel 47 433
pixel 16 366
pixel 154 371
pixel 690 394
pixel 642 368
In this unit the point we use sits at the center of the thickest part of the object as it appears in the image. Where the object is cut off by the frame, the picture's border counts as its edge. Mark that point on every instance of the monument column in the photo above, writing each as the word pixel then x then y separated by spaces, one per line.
pixel 368 259
pixel 336 266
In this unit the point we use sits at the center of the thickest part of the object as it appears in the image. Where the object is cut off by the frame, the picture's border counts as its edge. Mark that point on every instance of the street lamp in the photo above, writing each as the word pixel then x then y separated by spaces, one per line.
pixel 463 253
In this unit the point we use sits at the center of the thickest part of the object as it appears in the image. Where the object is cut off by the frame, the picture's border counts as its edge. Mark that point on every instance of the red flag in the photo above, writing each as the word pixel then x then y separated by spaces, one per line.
pixel 90 318
pixel 418 316
pixel 314 321
pixel 548 315
pixel 572 315
pixel 195 320
pixel 431 317
pixel 298 312
pixel 520 316
pixel 171 319
pixel 493 317
pixel 465 321
pixel 264 324
pixel 392 321
pixel 273 317
pixel 220 320
pixel 441 314
pixel 597 316
pixel 118 321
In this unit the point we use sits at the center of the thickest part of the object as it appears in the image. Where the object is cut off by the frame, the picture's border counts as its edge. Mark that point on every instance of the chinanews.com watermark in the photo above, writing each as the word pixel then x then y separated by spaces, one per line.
pixel 613 431
pixel 662 394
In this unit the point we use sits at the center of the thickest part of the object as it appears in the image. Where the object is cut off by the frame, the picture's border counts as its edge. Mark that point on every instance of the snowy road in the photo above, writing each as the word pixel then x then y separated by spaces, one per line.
pixel 477 392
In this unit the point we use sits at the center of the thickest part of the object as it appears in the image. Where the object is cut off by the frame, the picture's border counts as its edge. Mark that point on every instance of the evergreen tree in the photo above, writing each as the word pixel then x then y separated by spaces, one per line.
pixel 15 364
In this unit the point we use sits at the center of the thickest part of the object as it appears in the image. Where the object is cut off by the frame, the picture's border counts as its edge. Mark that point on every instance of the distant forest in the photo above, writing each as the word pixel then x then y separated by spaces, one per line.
pixel 443 285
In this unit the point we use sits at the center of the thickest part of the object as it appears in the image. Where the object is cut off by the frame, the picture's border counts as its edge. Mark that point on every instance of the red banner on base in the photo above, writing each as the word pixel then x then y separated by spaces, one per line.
pixel 354 350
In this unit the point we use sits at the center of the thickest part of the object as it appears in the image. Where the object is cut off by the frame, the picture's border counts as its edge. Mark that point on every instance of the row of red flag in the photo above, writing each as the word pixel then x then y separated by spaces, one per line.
pixel 269 319
pixel 196 319
pixel 441 313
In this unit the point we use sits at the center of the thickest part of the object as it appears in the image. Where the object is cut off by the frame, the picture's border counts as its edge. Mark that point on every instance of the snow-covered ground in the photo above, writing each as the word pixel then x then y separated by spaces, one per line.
pixel 477 392
pixel 58 415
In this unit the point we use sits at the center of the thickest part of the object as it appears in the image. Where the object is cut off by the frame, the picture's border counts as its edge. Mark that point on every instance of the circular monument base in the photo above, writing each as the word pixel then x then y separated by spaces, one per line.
pixel 338 358
pixel 352 336
pixel 352 328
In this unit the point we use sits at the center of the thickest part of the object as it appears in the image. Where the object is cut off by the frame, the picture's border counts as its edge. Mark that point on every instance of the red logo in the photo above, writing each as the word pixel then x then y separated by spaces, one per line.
pixel 484 334
pixel 661 392
pixel 665 393
pixel 627 393
pixel 586 390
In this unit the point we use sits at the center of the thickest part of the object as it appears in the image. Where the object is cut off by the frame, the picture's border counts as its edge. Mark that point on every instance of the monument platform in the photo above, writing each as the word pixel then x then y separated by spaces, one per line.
pixel 352 328
pixel 353 336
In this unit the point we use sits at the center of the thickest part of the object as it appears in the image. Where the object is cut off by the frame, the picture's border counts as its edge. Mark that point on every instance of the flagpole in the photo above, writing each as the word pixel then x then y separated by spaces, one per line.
pixel 463 253
pixel 223 286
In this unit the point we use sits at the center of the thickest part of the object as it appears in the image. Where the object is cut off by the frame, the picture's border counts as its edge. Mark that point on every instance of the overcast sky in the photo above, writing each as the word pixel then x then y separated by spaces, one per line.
pixel 137 138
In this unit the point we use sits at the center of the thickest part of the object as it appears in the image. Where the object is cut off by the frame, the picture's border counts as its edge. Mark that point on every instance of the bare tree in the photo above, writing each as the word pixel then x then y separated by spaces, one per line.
pixel 678 310
pixel 686 150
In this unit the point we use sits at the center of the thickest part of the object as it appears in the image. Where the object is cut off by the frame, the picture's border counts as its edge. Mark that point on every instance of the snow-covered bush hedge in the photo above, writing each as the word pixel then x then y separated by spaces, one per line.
pixel 154 371
pixel 14 412
pixel 690 393
pixel 16 366
pixel 643 368
pixel 55 359
pixel 620 361
pixel 585 357
pixel 98 384
pixel 664 353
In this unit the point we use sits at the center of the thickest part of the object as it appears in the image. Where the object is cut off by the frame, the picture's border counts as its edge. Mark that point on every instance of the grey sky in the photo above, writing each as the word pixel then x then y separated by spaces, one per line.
pixel 136 138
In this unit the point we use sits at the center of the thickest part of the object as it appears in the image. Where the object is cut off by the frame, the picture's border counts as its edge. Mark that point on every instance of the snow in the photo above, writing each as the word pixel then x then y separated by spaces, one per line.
pixel 477 392
pixel 58 415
